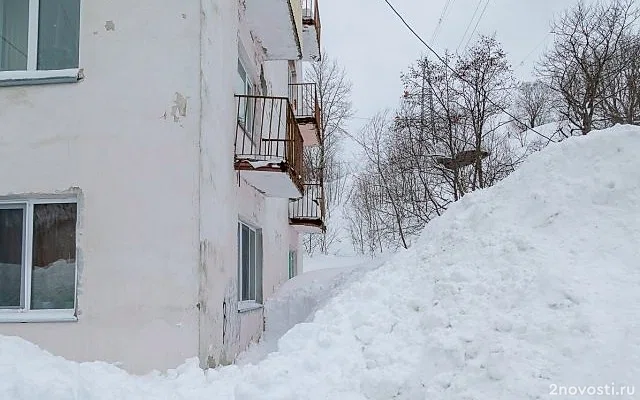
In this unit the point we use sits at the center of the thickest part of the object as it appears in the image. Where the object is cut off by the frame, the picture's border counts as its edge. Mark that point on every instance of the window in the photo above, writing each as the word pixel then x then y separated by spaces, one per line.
pixel 243 84
pixel 293 263
pixel 244 87
pixel 39 38
pixel 249 264
pixel 37 257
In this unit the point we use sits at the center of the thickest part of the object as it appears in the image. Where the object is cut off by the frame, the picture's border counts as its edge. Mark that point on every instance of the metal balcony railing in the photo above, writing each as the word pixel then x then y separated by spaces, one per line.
pixel 267 134
pixel 310 209
pixel 311 16
pixel 311 13
pixel 304 100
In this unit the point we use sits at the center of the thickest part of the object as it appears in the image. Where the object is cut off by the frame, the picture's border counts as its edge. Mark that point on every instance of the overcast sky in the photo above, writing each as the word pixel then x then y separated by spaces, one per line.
pixel 374 47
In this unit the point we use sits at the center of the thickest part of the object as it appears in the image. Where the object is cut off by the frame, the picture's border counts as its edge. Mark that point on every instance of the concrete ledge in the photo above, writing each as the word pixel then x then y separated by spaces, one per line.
pixel 248 306
pixel 25 78
pixel 10 316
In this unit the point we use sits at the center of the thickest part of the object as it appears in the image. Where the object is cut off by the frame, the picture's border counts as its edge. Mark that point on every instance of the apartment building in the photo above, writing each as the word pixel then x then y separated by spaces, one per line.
pixel 153 192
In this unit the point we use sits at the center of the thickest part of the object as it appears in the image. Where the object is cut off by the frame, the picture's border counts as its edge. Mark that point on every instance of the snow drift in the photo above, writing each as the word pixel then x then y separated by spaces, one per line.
pixel 530 284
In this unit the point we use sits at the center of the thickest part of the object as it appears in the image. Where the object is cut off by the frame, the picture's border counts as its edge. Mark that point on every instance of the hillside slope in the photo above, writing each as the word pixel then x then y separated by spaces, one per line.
pixel 517 288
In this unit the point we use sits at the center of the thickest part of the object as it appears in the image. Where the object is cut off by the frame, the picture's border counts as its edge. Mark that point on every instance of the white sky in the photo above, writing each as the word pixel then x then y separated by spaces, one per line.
pixel 375 47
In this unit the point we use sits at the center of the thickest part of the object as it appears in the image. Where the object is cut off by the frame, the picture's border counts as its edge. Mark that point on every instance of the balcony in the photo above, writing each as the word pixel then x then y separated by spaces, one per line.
pixel 306 215
pixel 277 25
pixel 269 146
pixel 311 31
pixel 306 108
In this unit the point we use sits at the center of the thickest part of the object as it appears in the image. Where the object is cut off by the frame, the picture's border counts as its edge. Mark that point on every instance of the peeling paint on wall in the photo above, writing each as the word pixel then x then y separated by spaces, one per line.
pixel 179 108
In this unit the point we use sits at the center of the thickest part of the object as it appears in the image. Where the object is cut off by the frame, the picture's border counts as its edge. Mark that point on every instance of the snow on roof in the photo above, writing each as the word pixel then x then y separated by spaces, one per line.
pixel 516 288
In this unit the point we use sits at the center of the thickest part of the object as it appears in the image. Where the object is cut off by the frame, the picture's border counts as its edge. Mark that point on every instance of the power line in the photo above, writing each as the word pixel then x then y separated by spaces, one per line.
pixel 443 16
pixel 521 63
pixel 475 28
pixel 473 17
pixel 442 60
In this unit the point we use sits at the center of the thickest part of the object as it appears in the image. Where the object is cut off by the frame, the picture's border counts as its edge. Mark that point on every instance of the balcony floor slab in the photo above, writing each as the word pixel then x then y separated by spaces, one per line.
pixel 272 183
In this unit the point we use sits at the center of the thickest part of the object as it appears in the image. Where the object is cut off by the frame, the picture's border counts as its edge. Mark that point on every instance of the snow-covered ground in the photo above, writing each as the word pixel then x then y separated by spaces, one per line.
pixel 299 298
pixel 321 261
pixel 519 291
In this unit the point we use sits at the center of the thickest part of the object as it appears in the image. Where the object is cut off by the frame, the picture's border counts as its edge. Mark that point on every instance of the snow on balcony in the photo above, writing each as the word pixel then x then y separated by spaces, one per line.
pixel 273 22
pixel 269 146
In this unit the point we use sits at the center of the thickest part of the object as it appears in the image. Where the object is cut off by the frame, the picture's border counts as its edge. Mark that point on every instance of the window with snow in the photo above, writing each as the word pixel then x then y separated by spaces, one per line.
pixel 39 35
pixel 249 264
pixel 37 255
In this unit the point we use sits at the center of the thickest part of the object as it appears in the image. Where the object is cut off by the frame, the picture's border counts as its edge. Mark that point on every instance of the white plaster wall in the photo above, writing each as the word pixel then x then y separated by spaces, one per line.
pixel 268 213
pixel 277 246
pixel 117 137
pixel 160 198
pixel 218 206
pixel 253 56
pixel 277 72
pixel 225 197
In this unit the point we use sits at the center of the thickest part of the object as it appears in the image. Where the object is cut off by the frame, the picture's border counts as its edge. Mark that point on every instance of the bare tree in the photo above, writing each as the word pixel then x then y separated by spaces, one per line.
pixel 621 103
pixel 443 142
pixel 450 135
pixel 323 163
pixel 588 39
pixel 485 90
pixel 382 191
pixel 533 104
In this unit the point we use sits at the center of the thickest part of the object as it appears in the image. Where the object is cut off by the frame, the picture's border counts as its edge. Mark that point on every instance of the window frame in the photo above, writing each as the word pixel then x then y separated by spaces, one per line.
pixel 293 264
pixel 24 313
pixel 256 302
pixel 247 119
pixel 32 75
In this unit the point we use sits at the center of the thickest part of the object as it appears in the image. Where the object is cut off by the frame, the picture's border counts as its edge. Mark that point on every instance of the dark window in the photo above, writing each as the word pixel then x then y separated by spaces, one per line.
pixel 52 250
pixel 249 263
pixel 57 43
pixel 11 255
pixel 58 34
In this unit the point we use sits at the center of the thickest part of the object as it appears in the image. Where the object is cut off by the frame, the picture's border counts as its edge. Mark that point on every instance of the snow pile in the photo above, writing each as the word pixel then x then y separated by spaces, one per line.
pixel 296 302
pixel 529 141
pixel 530 284
pixel 299 298
pixel 322 261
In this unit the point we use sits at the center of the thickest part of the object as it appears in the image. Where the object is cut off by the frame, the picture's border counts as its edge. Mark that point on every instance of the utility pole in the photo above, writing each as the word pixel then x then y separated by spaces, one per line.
pixel 433 117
